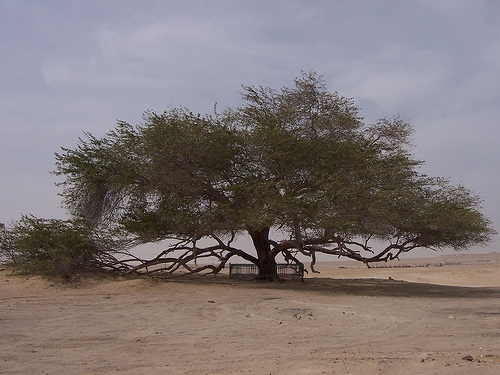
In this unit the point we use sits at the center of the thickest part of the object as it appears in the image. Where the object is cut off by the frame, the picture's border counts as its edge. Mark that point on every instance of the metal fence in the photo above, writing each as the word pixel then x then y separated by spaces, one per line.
pixel 293 270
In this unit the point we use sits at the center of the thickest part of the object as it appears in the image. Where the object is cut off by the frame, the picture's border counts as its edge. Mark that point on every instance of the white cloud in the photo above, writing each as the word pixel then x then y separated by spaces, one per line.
pixel 397 76
pixel 158 42
pixel 447 5
pixel 65 72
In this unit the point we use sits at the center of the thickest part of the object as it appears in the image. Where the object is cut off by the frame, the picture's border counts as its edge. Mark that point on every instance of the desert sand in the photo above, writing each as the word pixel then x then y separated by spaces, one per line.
pixel 422 316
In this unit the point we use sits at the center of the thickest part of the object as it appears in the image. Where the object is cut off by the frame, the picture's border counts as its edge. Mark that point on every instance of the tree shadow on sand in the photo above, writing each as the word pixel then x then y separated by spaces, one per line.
pixel 371 287
pixel 395 288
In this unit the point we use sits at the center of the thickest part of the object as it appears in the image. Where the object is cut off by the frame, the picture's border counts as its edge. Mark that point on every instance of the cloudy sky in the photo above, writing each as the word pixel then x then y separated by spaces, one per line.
pixel 69 66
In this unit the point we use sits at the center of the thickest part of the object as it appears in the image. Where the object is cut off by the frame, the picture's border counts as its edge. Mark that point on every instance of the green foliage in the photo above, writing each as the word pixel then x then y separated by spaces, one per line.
pixel 52 247
pixel 299 160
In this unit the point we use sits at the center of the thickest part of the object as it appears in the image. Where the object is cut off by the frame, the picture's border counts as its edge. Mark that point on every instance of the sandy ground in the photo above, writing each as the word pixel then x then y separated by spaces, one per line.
pixel 408 319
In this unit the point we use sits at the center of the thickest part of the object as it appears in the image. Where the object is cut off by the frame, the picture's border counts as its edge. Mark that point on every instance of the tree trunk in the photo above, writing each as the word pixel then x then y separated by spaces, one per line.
pixel 265 262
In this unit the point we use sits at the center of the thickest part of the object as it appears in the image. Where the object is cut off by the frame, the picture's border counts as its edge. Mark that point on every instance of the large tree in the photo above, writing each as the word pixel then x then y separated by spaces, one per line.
pixel 295 169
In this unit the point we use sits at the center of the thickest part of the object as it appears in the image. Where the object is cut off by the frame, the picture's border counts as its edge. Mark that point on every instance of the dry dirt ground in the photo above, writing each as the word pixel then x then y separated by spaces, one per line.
pixel 443 318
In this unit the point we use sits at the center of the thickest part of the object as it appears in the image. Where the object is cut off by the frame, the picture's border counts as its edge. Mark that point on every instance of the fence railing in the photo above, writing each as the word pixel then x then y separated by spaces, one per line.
pixel 293 270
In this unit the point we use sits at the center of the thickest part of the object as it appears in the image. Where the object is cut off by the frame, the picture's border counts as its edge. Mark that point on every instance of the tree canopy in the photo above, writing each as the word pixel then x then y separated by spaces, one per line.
pixel 296 169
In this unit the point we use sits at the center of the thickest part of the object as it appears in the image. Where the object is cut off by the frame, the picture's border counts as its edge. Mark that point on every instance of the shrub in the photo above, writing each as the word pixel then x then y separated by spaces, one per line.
pixel 51 247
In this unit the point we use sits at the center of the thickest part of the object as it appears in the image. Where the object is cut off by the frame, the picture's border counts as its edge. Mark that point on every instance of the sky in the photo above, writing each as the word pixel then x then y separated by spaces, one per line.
pixel 71 66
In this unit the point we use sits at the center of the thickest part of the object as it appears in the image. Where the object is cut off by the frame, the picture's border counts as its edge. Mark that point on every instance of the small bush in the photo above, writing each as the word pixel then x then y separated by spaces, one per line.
pixel 50 247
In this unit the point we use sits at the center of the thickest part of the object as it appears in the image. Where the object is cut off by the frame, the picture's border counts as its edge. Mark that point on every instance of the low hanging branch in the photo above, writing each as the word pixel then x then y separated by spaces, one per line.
pixel 187 258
